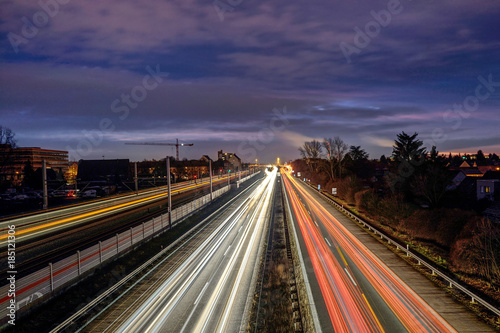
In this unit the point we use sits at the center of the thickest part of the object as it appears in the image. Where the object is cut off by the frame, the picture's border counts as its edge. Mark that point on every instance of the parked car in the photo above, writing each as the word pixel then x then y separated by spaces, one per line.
pixel 89 194
pixel 59 193
pixel 5 197
pixel 33 195
pixel 20 197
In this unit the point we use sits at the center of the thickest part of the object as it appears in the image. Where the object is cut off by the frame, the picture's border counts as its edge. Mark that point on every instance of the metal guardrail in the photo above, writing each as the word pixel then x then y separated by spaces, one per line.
pixel 45 281
pixel 65 324
pixel 421 261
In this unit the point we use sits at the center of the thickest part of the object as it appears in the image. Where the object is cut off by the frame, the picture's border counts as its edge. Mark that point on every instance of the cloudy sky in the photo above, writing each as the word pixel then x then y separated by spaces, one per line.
pixel 253 77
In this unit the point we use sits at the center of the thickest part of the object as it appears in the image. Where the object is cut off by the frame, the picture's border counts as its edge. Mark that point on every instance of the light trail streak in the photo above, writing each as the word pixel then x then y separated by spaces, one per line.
pixel 163 298
pixel 411 310
pixel 213 279
pixel 345 305
pixel 261 209
pixel 69 221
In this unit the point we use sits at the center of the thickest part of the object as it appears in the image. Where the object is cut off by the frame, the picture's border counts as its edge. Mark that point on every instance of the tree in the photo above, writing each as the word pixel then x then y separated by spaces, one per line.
pixel 331 161
pixel 7 146
pixel 7 137
pixel 311 153
pixel 408 148
pixel 432 180
pixel 409 156
pixel 357 162
pixel 337 148
pixel 358 154
pixel 480 157
pixel 29 176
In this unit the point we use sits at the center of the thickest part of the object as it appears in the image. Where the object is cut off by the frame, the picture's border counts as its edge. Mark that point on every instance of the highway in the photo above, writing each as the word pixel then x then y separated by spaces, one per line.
pixel 212 289
pixel 37 244
pixel 352 289
pixel 41 224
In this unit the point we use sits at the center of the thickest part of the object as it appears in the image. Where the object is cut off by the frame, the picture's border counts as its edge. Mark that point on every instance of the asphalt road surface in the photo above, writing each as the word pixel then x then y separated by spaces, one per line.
pixel 211 290
pixel 353 290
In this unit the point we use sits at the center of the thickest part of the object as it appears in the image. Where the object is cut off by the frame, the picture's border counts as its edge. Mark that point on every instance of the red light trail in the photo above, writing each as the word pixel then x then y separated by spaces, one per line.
pixel 348 307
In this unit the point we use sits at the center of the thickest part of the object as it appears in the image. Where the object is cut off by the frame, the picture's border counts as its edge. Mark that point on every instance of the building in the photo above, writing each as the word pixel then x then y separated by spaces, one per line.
pixel 231 158
pixel 488 189
pixel 463 174
pixel 15 160
pixel 188 170
pixel 205 158
pixel 72 173
pixel 113 171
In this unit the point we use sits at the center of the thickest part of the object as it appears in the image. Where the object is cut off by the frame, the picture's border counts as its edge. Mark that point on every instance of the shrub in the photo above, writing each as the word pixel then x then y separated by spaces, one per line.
pixel 477 250
pixel 358 199
pixel 369 202
pixel 347 187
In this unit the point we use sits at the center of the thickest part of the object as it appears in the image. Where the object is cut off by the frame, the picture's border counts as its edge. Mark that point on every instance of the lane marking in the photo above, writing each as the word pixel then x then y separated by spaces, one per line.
pixel 345 262
pixel 201 293
pixel 227 250
pixel 350 277
pixel 316 224
pixel 373 313
pixel 330 245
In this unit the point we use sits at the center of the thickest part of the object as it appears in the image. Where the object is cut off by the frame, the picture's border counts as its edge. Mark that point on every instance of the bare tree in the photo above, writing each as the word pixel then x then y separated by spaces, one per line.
pixel 331 161
pixel 337 149
pixel 487 241
pixel 311 153
pixel 7 145
pixel 7 137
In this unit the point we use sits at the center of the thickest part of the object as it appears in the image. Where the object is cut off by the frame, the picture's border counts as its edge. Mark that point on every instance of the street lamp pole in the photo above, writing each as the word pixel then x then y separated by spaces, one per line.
pixel 210 170
pixel 169 194
pixel 44 180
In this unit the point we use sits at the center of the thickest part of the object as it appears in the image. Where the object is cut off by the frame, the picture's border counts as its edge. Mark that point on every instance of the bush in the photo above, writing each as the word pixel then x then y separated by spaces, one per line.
pixel 347 187
pixel 369 202
pixel 418 226
pixel 450 225
pixel 477 250
pixel 440 226
pixel 389 210
pixel 358 199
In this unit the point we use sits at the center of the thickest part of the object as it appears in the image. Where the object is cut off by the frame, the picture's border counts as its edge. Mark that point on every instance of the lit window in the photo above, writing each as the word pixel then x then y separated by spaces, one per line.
pixel 487 189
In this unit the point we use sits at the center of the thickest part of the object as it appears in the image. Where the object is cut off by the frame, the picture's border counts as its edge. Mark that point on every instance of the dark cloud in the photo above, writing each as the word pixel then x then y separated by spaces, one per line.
pixel 226 77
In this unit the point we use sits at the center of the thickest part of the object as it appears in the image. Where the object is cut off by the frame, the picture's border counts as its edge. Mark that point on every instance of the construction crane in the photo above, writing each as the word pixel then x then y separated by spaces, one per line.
pixel 176 144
